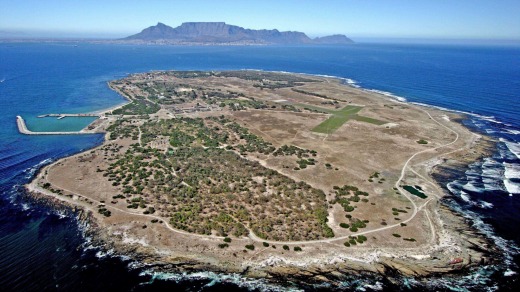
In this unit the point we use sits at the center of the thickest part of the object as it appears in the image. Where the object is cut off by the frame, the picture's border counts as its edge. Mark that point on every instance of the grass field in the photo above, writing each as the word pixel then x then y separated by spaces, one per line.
pixel 340 117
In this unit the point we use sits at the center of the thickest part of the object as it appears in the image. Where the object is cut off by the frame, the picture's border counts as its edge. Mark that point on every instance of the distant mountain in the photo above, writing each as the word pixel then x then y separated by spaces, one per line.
pixel 337 39
pixel 222 33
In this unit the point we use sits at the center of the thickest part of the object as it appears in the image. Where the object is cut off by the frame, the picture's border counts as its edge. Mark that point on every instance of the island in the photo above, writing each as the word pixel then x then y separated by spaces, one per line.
pixel 271 175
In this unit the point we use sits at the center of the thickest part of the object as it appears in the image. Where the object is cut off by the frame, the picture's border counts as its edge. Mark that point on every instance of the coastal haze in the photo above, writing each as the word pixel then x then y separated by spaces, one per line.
pixel 217 156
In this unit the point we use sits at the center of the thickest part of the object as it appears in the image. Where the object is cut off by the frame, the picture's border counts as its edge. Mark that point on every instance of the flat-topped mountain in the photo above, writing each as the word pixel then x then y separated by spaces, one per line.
pixel 222 33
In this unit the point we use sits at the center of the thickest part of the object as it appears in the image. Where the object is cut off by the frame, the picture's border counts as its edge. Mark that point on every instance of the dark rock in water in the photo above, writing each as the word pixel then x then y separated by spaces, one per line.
pixel 222 33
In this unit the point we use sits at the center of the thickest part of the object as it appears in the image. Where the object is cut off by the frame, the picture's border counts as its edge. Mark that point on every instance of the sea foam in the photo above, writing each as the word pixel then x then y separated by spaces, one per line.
pixel 513 147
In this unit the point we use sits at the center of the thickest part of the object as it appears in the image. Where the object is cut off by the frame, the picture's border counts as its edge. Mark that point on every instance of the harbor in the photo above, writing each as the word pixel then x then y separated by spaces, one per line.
pixel 22 128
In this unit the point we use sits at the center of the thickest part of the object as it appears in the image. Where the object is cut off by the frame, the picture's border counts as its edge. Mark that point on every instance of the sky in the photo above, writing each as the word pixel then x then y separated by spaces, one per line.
pixel 446 19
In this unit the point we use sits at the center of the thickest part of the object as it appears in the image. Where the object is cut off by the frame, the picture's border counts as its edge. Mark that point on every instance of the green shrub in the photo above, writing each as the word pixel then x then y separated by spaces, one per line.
pixel 286 247
pixel 250 247
pixel 227 239
pixel 223 245
pixel 297 248
pixel 396 235
pixel 265 244
pixel 344 225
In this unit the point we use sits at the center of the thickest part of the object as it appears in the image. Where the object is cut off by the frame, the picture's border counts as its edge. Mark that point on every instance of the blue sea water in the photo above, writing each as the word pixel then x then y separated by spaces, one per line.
pixel 41 249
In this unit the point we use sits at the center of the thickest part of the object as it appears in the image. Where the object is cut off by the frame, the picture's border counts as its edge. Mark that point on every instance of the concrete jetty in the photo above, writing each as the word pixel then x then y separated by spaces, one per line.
pixel 22 128
pixel 61 116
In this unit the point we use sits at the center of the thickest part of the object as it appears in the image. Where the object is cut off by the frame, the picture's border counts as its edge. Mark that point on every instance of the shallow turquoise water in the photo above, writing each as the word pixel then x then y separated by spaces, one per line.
pixel 53 124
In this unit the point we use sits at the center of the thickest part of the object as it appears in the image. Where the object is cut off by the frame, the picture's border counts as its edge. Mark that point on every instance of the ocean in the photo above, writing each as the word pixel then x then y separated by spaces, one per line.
pixel 44 249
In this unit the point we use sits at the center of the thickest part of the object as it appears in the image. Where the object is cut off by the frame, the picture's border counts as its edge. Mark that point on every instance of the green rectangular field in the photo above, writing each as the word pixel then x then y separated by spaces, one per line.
pixel 348 111
pixel 331 124
pixel 340 117
pixel 368 120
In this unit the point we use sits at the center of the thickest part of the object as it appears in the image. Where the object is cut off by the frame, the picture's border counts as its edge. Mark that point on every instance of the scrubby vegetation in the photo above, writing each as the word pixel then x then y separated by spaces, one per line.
pixel 202 183
pixel 138 107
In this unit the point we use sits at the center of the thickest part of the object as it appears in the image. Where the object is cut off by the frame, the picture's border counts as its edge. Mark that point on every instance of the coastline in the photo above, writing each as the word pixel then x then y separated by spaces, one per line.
pixel 377 261
pixel 97 126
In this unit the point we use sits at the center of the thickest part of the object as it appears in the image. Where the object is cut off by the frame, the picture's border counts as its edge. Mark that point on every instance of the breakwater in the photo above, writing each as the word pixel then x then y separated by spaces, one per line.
pixel 22 128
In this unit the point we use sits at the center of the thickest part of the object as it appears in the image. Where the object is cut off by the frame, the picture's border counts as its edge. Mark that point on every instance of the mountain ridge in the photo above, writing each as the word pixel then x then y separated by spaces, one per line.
pixel 223 33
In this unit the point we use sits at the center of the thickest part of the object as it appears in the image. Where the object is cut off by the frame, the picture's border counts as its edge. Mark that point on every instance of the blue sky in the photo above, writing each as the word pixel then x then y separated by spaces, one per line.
pixel 447 19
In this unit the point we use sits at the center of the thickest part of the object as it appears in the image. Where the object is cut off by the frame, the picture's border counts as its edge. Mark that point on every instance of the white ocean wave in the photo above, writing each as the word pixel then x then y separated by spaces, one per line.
pixel 101 254
pixel 481 204
pixel 512 170
pixel 512 187
pixel 485 205
pixel 388 94
pixel 469 186
pixel 31 170
pixel 508 247
pixel 214 278
pixel 452 187
pixel 512 146
pixel 465 196
pixel 511 131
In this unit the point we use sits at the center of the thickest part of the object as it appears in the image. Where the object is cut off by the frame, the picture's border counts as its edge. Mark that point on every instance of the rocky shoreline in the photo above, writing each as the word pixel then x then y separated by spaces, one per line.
pixel 389 269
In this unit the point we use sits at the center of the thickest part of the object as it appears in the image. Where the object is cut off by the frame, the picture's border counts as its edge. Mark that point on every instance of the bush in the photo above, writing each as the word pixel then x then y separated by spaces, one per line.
pixel 265 244
pixel 297 248
pixel 347 244
pixel 105 212
pixel 396 235
pixel 227 239
pixel 344 225
pixel 353 229
pixel 286 247
pixel 250 247
pixel 223 245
